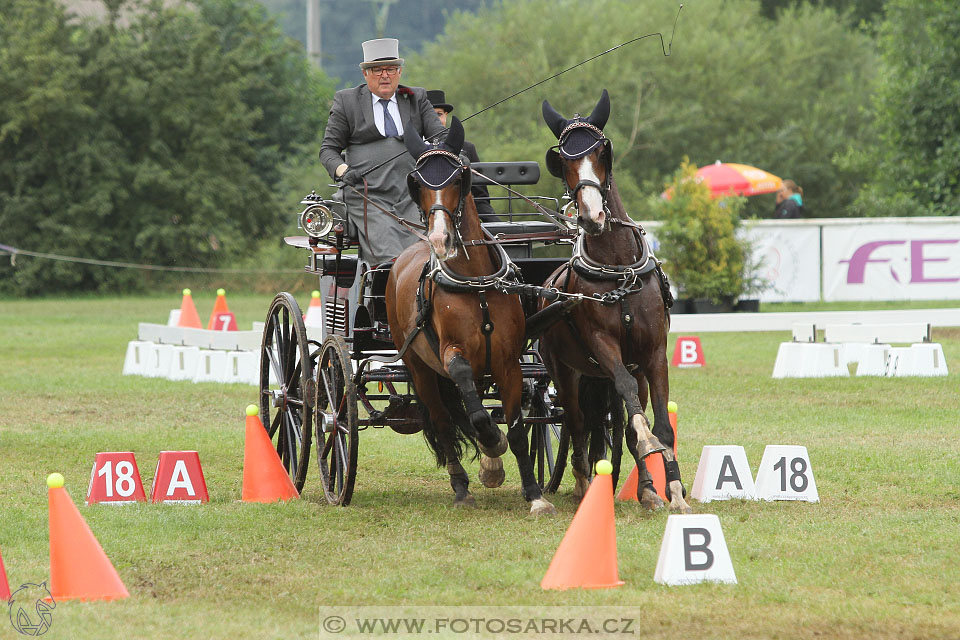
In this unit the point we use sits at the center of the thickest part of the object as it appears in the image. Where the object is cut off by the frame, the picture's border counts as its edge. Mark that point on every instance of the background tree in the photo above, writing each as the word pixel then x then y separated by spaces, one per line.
pixel 158 142
pixel 785 95
pixel 856 11
pixel 915 164
pixel 345 24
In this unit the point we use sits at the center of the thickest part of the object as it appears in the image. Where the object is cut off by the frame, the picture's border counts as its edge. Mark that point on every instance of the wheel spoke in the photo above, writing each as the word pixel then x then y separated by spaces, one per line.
pixel 277 419
pixel 342 454
pixel 274 362
pixel 548 447
pixel 326 387
pixel 293 438
pixel 278 346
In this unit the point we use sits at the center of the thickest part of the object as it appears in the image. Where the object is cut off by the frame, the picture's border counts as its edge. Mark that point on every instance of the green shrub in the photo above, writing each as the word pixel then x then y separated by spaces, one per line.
pixel 698 239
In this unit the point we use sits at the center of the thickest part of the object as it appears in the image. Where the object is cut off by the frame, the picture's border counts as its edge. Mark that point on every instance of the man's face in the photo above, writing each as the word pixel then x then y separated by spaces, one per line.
pixel 383 81
pixel 442 115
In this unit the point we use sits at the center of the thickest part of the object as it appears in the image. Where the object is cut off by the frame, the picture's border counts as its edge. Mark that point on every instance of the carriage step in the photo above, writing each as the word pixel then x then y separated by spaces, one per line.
pixel 386 374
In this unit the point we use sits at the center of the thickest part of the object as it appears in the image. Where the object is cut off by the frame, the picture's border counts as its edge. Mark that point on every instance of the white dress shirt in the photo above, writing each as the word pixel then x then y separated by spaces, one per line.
pixel 391 107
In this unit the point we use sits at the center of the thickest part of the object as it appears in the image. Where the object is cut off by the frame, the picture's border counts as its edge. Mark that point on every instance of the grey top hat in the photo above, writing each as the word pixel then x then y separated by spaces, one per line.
pixel 381 52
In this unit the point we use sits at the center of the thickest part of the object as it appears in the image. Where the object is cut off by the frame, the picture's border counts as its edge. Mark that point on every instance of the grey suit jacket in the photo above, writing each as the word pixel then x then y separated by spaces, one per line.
pixel 351 120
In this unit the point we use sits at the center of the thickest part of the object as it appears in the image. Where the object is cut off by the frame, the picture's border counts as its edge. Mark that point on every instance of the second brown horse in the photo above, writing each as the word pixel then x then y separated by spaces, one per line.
pixel 609 348
pixel 442 299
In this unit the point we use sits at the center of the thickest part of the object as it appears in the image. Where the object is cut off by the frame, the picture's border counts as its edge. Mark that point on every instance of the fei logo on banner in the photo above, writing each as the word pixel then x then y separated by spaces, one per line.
pixel 919 260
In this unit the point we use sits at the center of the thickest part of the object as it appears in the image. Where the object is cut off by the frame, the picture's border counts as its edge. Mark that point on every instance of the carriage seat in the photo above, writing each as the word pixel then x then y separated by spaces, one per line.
pixel 525 172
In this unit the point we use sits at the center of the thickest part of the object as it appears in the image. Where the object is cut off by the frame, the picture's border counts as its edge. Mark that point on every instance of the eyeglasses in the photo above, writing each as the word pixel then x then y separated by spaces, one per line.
pixel 379 71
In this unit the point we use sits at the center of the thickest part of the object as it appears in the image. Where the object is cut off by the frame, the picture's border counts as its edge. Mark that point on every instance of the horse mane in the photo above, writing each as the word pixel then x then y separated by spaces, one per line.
pixel 615 204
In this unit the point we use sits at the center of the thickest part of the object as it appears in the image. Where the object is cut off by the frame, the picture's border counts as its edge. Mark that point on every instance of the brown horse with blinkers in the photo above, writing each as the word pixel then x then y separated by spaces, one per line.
pixel 620 338
pixel 453 326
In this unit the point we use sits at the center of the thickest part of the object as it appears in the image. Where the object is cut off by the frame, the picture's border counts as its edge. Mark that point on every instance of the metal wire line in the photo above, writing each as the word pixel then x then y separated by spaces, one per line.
pixel 14 251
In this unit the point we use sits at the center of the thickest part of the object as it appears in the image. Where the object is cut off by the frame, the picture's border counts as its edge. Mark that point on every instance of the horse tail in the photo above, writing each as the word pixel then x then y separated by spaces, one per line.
pixel 464 434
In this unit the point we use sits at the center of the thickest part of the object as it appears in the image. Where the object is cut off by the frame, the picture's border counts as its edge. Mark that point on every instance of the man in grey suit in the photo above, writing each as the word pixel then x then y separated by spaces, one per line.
pixel 365 129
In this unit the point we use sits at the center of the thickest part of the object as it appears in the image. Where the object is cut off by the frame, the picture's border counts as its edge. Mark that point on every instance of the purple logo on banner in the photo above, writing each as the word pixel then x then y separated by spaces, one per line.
pixel 861 257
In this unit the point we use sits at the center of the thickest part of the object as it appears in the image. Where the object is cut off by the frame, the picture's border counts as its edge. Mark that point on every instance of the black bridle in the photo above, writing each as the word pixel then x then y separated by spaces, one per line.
pixel 578 140
pixel 436 169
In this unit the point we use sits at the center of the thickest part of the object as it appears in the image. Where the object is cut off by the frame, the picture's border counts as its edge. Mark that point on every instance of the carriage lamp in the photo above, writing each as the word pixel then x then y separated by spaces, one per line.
pixel 568 215
pixel 316 219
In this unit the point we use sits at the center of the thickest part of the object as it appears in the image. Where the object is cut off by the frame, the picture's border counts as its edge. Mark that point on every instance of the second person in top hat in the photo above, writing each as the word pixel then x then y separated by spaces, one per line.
pixel 480 194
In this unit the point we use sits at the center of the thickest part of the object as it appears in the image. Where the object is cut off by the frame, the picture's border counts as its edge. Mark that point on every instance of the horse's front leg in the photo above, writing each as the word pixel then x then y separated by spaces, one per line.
pixel 659 390
pixel 611 362
pixel 492 441
pixel 641 442
pixel 509 382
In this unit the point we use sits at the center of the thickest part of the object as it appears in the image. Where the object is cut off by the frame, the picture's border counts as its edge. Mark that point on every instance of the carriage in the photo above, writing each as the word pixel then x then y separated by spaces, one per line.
pixel 314 381
pixel 451 291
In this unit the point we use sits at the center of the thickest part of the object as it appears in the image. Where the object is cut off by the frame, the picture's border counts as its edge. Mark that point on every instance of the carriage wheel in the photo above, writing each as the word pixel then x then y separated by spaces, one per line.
pixel 287 386
pixel 336 421
pixel 548 441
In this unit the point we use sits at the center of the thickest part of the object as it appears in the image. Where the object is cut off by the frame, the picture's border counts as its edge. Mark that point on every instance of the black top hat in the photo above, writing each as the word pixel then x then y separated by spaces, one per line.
pixel 438 100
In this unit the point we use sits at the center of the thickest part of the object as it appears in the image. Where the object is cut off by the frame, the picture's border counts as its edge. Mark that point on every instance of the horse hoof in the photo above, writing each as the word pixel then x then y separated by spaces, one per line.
pixel 681 507
pixel 650 500
pixel 540 507
pixel 498 449
pixel 491 473
pixel 649 447
pixel 467 501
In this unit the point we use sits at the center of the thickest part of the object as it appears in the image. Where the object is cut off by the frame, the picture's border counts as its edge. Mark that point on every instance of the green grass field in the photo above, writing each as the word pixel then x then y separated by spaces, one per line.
pixel 875 558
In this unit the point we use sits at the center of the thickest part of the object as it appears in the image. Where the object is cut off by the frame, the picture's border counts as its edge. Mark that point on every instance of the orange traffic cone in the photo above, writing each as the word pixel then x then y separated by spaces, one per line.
pixel 4 585
pixel 79 569
pixel 628 491
pixel 264 478
pixel 220 306
pixel 188 312
pixel 587 555
pixel 654 464
pixel 314 315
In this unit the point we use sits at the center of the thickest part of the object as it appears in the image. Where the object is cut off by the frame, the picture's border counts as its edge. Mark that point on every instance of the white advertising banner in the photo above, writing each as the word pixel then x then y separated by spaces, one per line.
pixel 906 259
pixel 787 255
pixel 788 259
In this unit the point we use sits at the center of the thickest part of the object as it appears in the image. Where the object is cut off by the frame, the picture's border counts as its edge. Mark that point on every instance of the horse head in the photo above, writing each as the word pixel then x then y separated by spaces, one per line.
pixel 440 184
pixel 583 160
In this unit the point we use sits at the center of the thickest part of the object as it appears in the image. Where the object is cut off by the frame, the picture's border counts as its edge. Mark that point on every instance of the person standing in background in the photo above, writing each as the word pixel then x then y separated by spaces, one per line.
pixel 480 194
pixel 789 201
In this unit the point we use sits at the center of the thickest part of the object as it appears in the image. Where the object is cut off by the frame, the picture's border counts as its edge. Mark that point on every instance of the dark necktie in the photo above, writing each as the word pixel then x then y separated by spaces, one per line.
pixel 389 126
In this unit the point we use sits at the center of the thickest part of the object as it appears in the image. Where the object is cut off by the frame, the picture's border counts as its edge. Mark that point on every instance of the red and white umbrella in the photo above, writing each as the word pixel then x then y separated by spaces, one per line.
pixel 728 178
